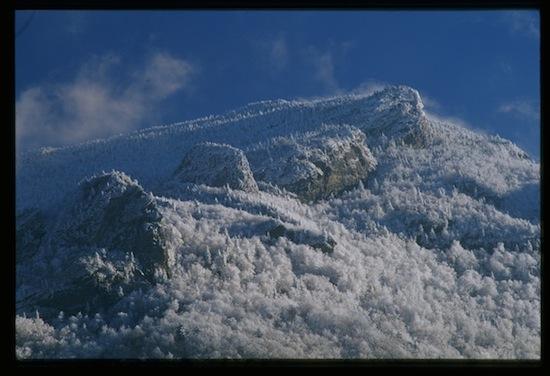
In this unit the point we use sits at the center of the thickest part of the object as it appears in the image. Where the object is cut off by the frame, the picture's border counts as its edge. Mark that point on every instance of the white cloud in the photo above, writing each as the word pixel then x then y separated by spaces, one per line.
pixel 370 87
pixel 505 67
pixel 164 75
pixel 101 101
pixel 430 103
pixel 453 120
pixel 522 108
pixel 76 22
pixel 323 65
pixel 279 55
pixel 324 62
pixel 523 23
pixel 325 71
pixel 273 53
pixel 276 55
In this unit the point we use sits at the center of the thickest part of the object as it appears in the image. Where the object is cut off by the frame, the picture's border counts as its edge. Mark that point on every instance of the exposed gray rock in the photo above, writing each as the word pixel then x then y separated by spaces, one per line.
pixel 109 240
pixel 322 242
pixel 314 165
pixel 397 112
pixel 115 212
pixel 30 227
pixel 217 165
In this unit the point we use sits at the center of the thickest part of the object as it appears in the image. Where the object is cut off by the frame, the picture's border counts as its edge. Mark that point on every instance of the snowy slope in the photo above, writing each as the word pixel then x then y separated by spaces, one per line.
pixel 354 226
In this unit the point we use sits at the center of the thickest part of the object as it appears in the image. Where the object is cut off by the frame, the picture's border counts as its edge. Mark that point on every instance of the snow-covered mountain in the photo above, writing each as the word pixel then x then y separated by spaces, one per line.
pixel 356 227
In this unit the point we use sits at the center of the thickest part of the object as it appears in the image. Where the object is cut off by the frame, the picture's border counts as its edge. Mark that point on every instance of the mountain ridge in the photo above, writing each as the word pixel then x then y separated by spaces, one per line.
pixel 119 152
pixel 351 227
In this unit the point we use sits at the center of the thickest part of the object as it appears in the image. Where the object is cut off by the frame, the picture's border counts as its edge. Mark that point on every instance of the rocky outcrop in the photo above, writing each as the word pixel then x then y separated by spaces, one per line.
pixel 216 165
pixel 314 165
pixel 30 225
pixel 115 212
pixel 397 112
pixel 322 242
pixel 108 241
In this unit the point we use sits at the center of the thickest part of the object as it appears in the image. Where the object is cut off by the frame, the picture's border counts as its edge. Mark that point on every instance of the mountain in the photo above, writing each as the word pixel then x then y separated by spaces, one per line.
pixel 350 227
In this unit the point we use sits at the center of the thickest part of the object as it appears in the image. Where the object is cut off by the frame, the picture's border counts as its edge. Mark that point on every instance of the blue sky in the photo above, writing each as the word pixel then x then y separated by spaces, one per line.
pixel 82 75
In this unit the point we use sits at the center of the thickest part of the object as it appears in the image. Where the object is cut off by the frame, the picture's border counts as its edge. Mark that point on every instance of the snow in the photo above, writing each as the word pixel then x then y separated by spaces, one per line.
pixel 216 165
pixel 424 244
pixel 315 164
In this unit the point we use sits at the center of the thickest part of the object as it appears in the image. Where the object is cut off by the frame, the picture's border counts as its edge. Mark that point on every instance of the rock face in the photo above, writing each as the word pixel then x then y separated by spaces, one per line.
pixel 314 165
pixel 322 242
pixel 30 231
pixel 217 165
pixel 115 212
pixel 397 112
pixel 431 247
pixel 109 240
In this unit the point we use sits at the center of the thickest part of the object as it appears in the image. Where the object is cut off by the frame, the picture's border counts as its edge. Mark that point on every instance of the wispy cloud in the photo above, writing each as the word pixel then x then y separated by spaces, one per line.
pixel 76 22
pixel 370 87
pixel 273 53
pixel 523 23
pixel 163 76
pixel 431 103
pixel 279 53
pixel 324 71
pixel 324 61
pixel 526 123
pixel 505 67
pixel 102 100
pixel 453 120
pixel 526 109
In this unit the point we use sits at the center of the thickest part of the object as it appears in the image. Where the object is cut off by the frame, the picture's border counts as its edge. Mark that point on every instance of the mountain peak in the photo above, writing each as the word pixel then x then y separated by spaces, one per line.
pixel 353 211
pixel 400 94
pixel 217 165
